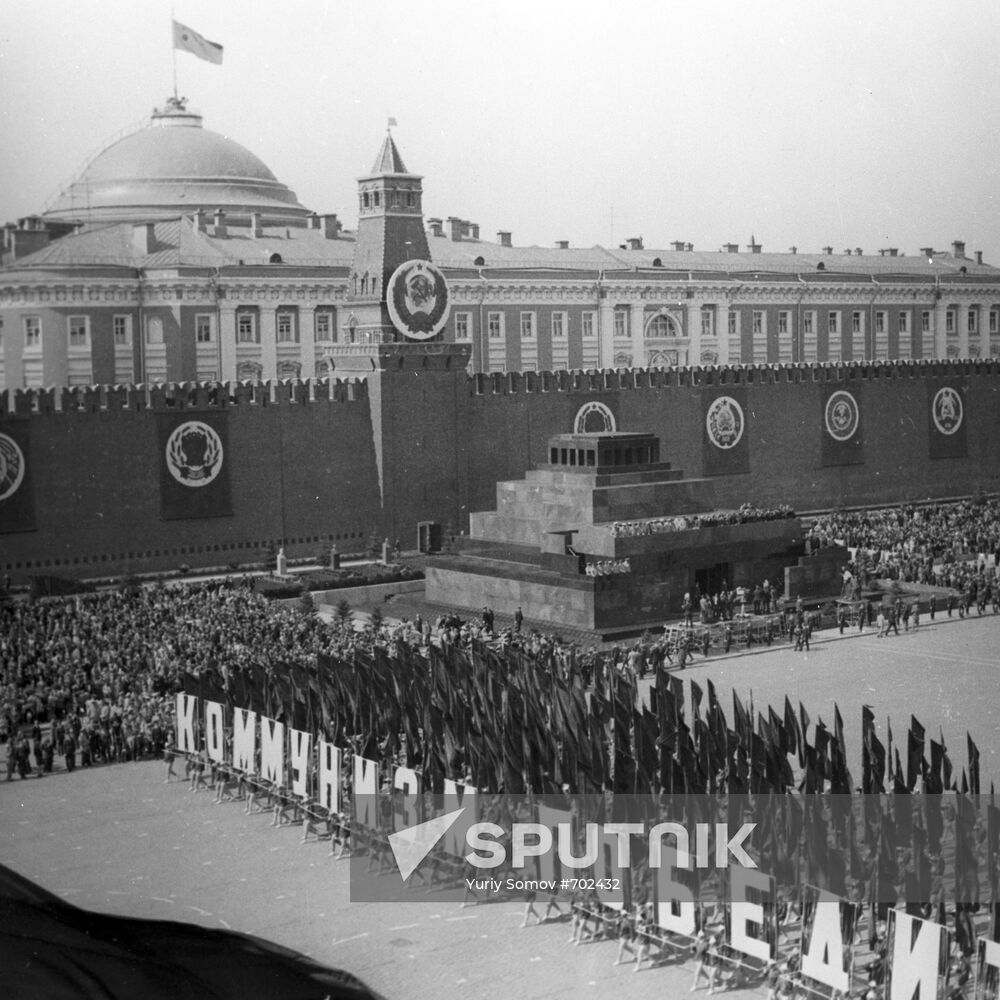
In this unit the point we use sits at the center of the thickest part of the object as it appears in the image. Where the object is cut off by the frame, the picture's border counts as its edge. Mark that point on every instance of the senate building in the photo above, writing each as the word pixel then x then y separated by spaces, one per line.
pixel 177 256
pixel 197 369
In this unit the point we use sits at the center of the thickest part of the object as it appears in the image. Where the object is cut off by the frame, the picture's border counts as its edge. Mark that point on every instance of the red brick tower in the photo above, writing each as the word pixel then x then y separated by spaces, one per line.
pixel 390 232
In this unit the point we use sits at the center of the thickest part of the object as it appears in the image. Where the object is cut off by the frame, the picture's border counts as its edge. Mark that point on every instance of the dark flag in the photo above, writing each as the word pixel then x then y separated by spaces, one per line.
pixel 993 851
pixel 973 768
pixel 946 421
pixel 726 437
pixel 914 753
pixel 193 457
pixel 792 733
pixel 841 430
pixel 17 501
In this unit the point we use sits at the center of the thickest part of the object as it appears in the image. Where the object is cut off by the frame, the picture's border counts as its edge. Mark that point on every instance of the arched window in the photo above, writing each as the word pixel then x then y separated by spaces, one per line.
pixel 248 371
pixel 479 261
pixel 323 369
pixel 657 262
pixel 289 369
pixel 365 200
pixel 661 326
pixel 376 199
pixel 275 258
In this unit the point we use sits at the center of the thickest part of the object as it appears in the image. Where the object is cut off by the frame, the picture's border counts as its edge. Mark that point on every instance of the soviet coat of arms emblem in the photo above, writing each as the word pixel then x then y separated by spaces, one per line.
pixel 194 453
pixel 947 411
pixel 417 299
pixel 842 415
pixel 725 422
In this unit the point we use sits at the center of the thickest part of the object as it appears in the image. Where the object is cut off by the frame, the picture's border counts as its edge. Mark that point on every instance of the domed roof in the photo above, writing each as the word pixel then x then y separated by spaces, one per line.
pixel 172 167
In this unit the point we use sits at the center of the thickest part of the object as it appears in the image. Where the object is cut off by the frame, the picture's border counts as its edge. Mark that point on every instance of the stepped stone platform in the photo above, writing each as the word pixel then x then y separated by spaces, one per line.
pixel 598 539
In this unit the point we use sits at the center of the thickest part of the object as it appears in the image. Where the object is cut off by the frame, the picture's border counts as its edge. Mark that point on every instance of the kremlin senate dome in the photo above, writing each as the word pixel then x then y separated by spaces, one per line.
pixel 172 167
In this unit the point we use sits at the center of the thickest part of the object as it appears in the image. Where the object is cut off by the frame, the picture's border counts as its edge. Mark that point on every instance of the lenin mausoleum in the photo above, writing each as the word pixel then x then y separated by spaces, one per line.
pixel 196 368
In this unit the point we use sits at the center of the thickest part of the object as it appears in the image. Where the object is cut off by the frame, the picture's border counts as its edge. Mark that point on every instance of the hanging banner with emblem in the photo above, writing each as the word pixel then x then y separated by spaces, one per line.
pixel 726 445
pixel 842 433
pixel 194 465
pixel 17 502
pixel 946 420
pixel 417 299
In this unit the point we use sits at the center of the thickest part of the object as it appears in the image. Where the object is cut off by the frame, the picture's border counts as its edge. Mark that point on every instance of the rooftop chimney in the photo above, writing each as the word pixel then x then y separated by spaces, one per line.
pixel 219 223
pixel 436 227
pixel 313 221
pixel 689 247
pixel 858 252
pixel 893 251
pixel 474 230
pixel 634 243
pixel 732 248
pixel 979 256
pixel 848 251
pixel 331 225
pixel 927 251
pixel 793 250
pixel 754 246
pixel 562 244
pixel 958 249
pixel 144 237
pixel 256 229
pixel 454 228
pixel 198 221
pixel 827 251
pixel 678 244
pixel 503 238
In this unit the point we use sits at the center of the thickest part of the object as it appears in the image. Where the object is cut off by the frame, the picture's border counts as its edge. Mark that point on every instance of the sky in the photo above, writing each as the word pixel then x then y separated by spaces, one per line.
pixel 808 124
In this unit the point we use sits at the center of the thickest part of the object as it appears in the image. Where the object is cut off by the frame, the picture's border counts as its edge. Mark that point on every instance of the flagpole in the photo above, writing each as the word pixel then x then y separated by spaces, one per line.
pixel 173 50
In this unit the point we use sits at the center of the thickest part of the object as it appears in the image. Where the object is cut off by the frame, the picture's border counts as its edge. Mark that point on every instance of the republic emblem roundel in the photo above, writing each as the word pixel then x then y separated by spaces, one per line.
pixel 11 467
pixel 418 300
pixel 725 422
pixel 947 410
pixel 842 415
pixel 194 454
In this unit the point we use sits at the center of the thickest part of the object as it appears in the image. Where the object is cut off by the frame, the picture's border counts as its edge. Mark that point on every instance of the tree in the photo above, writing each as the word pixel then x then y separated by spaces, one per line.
pixel 306 603
pixel 343 613
pixel 377 618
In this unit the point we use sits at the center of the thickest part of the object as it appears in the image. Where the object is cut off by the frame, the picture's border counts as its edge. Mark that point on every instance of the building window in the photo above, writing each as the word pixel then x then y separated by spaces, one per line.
pixel 324 326
pixel 287 333
pixel 660 326
pixel 246 328
pixel 154 330
pixel 855 322
pixel 973 320
pixel 925 322
pixel 782 322
pixel 409 199
pixel 621 323
pixel 32 333
pixel 809 322
pixel 880 322
pixel 758 322
pixel 527 325
pixel 463 326
pixel 732 323
pixel 995 321
pixel 121 327
pixel 833 322
pixel 558 325
pixel 949 321
pixel 79 332
pixel 589 326
pixel 203 328
pixel 707 323
pixel 904 322
pixel 494 324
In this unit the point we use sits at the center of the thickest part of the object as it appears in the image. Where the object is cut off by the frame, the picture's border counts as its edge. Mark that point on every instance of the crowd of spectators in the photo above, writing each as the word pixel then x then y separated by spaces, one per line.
pixel 953 545
pixel 608 567
pixel 744 514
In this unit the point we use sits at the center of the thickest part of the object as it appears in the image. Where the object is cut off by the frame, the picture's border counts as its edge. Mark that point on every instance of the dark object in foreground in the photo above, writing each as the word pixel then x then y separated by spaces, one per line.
pixel 53 950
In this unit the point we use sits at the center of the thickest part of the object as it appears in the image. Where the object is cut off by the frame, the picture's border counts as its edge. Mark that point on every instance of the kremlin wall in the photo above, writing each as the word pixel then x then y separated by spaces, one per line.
pixel 417 439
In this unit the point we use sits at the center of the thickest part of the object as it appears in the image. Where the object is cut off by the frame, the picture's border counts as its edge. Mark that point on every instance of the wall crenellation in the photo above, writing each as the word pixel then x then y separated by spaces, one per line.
pixel 177 396
pixel 611 379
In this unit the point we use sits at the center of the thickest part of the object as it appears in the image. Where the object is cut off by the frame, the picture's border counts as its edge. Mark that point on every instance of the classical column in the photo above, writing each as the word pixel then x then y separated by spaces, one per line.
pixel 940 325
pixel 227 343
pixel 694 331
pixel 269 342
pixel 606 347
pixel 307 341
pixel 984 331
pixel 637 313
pixel 722 330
